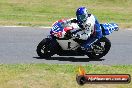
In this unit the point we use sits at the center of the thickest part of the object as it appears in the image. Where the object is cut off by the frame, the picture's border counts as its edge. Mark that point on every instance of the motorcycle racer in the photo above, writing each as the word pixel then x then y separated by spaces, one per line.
pixel 89 27
pixel 78 36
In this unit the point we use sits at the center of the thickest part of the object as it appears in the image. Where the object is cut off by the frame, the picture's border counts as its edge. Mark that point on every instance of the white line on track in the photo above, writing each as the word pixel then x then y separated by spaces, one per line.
pixel 49 27
pixel 24 26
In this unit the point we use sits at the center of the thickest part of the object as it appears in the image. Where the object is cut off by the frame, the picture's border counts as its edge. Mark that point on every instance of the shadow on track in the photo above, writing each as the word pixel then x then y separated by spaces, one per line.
pixel 71 59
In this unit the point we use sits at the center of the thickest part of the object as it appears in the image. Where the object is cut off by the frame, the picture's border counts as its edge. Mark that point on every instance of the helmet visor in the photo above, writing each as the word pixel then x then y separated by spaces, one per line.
pixel 81 17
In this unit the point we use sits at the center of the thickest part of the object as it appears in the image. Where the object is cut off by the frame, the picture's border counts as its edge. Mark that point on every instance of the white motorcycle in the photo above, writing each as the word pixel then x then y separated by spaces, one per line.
pixel 61 43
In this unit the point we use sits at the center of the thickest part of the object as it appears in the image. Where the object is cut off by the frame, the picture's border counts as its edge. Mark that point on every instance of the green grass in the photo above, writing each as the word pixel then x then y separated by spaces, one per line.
pixel 45 12
pixel 56 76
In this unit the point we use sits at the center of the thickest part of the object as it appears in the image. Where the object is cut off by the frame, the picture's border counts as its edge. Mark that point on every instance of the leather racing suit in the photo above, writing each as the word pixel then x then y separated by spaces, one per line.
pixel 90 30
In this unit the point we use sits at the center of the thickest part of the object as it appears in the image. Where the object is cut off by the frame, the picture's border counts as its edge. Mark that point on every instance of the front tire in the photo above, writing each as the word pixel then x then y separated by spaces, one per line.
pixel 106 47
pixel 44 49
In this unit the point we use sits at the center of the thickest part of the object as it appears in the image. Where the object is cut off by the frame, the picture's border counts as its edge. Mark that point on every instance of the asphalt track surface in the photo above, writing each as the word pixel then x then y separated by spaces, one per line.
pixel 18 45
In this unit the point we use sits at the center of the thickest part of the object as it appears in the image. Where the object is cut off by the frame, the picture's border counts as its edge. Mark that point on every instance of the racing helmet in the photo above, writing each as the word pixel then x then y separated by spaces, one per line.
pixel 81 14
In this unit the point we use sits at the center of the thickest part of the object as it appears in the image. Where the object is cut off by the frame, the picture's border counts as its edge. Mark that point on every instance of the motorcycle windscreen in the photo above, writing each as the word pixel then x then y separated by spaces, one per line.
pixel 57 27
pixel 108 28
pixel 59 30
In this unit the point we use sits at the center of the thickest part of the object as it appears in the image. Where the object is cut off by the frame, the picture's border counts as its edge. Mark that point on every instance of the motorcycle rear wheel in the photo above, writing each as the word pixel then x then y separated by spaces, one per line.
pixel 106 47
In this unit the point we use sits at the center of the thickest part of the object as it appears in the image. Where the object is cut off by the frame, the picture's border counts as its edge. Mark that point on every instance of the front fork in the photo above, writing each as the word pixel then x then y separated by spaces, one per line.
pixel 56 48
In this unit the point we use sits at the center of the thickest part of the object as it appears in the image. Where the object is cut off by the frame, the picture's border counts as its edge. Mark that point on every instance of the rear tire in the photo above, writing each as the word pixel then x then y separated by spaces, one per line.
pixel 44 49
pixel 93 55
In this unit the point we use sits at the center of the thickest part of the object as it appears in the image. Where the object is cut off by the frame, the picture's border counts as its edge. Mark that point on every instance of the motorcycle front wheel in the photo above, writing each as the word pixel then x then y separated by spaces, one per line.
pixel 44 49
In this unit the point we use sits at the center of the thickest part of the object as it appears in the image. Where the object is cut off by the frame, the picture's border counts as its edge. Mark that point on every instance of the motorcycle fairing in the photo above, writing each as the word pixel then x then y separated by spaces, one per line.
pixel 108 28
pixel 58 30
pixel 68 44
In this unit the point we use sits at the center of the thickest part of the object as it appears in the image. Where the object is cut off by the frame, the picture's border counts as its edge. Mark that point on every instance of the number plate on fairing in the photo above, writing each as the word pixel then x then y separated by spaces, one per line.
pixel 68 44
